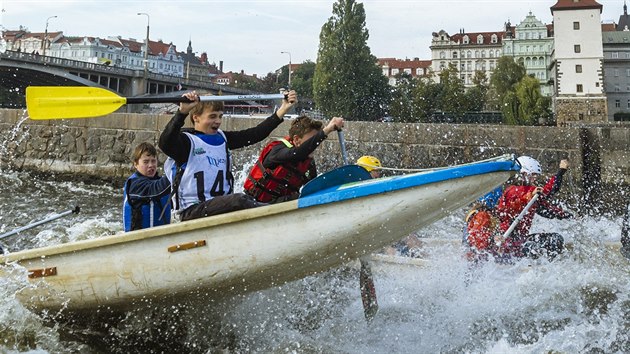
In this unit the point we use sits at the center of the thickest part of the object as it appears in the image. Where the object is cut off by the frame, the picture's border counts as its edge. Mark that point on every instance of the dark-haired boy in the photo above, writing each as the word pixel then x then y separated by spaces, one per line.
pixel 286 164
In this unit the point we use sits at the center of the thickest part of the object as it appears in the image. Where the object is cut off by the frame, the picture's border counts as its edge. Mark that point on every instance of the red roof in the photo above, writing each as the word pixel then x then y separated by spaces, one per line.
pixel 159 47
pixel 575 5
pixel 472 37
pixel 404 63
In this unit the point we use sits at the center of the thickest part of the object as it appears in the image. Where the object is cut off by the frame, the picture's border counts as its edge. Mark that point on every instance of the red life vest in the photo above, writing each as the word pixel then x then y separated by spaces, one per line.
pixel 481 229
pixel 267 184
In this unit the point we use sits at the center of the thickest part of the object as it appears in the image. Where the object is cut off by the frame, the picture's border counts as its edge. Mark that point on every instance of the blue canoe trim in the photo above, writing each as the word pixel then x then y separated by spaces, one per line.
pixel 334 178
pixel 388 184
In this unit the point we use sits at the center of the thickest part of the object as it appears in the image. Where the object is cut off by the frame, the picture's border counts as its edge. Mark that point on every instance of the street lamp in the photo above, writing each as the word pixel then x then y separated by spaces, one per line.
pixel 146 47
pixel 289 66
pixel 46 35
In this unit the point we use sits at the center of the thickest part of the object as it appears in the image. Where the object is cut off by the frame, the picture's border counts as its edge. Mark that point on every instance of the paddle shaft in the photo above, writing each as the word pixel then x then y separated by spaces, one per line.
pixel 137 100
pixel 366 282
pixel 52 102
pixel 520 216
pixel 37 223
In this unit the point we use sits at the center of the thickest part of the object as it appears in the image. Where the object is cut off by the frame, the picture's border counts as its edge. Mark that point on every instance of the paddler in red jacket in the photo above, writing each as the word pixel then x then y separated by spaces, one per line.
pixel 286 164
pixel 520 243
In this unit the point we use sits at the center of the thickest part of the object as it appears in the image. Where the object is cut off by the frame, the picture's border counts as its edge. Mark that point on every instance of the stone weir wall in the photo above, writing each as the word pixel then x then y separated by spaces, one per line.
pixel 101 147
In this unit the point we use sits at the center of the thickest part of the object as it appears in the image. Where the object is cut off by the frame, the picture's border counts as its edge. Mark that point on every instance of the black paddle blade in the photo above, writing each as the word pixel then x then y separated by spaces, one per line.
pixel 368 292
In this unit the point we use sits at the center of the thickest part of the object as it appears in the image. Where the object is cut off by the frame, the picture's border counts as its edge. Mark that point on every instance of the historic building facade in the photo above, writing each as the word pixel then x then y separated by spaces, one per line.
pixel 393 67
pixel 469 52
pixel 616 45
pixel 531 44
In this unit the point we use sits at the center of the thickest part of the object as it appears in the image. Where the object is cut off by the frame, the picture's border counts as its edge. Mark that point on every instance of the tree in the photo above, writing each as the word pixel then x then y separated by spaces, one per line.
pixel 269 83
pixel 302 80
pixel 426 96
pixel 532 104
pixel 401 106
pixel 475 96
pixel 451 99
pixel 504 77
pixel 347 80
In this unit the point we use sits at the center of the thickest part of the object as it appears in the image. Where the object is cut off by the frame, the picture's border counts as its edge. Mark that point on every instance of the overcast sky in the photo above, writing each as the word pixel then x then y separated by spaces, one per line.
pixel 249 35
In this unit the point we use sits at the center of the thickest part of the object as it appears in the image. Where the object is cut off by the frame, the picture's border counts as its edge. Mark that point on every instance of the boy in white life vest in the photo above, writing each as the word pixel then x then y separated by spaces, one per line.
pixel 286 164
pixel 199 161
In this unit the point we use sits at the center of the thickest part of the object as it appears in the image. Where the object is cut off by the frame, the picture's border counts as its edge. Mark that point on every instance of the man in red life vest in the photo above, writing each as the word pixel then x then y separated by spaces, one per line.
pixel 285 165
pixel 520 243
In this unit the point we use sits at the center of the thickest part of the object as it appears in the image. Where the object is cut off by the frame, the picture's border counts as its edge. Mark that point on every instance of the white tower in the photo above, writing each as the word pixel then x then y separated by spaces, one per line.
pixel 577 62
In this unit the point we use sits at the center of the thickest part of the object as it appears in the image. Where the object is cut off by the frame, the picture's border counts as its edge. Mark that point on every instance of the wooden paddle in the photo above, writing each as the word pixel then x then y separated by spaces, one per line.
pixel 366 283
pixel 61 102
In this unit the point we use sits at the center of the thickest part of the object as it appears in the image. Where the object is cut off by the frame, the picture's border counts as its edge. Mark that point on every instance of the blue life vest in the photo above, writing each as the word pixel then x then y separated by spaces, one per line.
pixel 141 212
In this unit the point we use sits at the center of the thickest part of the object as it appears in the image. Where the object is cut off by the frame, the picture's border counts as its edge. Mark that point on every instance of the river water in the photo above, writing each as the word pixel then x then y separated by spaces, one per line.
pixel 576 304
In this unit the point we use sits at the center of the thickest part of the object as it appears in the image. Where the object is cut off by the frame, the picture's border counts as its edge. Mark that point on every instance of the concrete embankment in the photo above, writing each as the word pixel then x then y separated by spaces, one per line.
pixel 100 147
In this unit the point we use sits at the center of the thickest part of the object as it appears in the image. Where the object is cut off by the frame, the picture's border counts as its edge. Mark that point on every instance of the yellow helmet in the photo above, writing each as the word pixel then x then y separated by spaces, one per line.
pixel 369 163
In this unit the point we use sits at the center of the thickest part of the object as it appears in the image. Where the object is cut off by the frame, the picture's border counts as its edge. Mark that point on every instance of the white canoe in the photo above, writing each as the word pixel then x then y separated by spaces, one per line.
pixel 252 249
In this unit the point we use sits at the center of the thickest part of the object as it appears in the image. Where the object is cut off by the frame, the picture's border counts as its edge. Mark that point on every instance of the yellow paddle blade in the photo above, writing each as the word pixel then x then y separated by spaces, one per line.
pixel 60 102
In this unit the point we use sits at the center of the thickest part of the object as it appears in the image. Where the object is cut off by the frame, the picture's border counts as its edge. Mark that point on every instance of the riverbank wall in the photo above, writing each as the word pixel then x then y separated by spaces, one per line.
pixel 100 148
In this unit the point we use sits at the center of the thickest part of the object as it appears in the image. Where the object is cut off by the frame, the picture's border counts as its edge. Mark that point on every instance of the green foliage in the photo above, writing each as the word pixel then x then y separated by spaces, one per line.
pixel 517 95
pixel 246 82
pixel 507 74
pixel 426 98
pixel 347 80
pixel 451 97
pixel 402 107
pixel 531 101
pixel 302 80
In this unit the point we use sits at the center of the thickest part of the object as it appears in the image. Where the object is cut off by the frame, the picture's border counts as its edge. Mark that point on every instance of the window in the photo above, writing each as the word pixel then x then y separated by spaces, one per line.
pixel 494 38
pixel 628 103
pixel 615 55
pixel 617 88
pixel 616 72
pixel 454 55
pixel 578 68
pixel 617 104
pixel 627 72
pixel 394 71
pixel 579 88
pixel 479 39
pixel 442 55
pixel 576 25
pixel 577 48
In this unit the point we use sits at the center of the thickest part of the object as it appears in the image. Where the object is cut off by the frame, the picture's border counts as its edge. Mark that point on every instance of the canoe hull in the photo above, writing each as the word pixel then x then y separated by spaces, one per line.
pixel 235 253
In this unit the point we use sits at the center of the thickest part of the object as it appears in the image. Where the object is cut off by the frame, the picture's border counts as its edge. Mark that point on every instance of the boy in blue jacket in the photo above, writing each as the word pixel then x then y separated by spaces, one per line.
pixel 147 195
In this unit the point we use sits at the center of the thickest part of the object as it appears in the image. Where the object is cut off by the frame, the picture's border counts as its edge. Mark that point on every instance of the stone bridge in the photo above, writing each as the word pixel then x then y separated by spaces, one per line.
pixel 19 70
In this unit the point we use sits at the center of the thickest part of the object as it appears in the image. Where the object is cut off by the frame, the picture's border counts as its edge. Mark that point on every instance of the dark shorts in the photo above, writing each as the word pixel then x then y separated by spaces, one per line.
pixel 220 205
pixel 544 244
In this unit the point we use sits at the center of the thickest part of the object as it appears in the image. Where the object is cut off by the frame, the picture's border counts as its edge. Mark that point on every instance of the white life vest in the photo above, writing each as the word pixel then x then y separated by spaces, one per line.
pixel 206 174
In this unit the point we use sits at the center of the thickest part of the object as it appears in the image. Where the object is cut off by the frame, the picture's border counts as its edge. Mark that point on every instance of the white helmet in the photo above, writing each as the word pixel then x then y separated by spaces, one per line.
pixel 529 165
